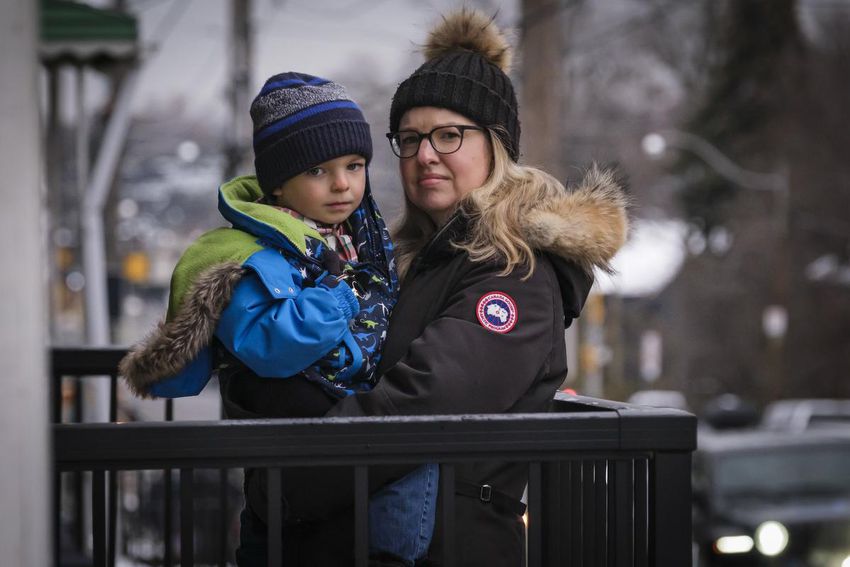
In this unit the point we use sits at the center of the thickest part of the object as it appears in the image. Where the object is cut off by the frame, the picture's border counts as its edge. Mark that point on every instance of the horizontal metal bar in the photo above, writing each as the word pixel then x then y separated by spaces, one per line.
pixel 521 437
pixel 79 361
pixel 642 424
pixel 673 430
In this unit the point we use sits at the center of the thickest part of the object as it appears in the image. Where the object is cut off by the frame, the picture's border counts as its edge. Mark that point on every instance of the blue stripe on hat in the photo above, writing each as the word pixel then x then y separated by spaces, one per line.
pixel 292 119
pixel 268 87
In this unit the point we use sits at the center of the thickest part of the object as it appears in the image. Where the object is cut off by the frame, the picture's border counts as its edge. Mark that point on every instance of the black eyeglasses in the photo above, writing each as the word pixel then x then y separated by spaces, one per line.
pixel 444 140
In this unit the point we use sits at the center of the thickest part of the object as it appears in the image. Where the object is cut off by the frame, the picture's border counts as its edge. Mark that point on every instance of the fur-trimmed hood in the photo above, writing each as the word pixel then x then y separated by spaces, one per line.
pixel 171 345
pixel 586 225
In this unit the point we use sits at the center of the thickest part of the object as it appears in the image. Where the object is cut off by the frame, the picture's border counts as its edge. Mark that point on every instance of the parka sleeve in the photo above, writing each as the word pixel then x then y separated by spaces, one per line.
pixel 277 329
pixel 457 365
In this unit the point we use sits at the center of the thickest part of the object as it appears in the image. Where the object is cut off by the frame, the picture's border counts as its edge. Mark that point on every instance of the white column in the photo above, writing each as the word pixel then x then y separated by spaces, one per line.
pixel 25 537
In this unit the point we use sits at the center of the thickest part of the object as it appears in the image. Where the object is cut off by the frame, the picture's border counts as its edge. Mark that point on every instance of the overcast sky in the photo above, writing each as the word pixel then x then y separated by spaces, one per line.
pixel 186 41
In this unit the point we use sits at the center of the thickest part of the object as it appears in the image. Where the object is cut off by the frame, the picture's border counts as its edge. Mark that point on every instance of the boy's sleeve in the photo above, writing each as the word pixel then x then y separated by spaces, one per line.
pixel 278 329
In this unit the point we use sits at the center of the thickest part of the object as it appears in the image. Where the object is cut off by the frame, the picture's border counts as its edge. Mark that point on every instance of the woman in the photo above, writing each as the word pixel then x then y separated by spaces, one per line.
pixel 496 259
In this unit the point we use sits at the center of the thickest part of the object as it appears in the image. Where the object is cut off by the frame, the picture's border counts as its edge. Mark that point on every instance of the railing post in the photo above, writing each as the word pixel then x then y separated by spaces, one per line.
pixel 361 516
pixel 535 516
pixel 113 397
pixel 641 513
pixel 56 398
pixel 167 527
pixel 670 541
pixel 554 516
pixel 57 516
pixel 600 489
pixel 447 501
pixel 168 508
pixel 187 518
pixel 98 493
pixel 113 517
pixel 113 480
pixel 588 512
pixel 621 548
pixel 79 486
pixel 224 486
pixel 576 551
pixel 274 518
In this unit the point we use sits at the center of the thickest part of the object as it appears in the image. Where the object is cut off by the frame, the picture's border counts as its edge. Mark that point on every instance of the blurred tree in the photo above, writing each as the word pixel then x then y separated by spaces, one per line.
pixel 743 107
pixel 819 288
pixel 773 101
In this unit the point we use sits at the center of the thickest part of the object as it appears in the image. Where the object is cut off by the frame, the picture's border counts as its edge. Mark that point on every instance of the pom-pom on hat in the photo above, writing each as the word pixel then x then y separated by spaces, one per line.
pixel 301 121
pixel 465 71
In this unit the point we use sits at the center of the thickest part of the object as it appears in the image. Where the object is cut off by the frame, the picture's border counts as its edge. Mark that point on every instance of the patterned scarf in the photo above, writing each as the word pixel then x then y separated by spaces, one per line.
pixel 336 235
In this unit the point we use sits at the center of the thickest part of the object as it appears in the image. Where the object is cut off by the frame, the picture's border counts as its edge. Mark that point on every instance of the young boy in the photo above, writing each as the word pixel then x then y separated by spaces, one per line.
pixel 290 305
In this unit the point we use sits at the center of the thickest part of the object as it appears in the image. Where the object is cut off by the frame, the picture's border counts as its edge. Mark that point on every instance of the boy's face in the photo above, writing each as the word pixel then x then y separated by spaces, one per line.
pixel 329 192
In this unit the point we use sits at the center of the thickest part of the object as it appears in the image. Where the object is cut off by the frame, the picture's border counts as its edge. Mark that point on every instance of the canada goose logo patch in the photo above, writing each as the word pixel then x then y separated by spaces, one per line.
pixel 497 312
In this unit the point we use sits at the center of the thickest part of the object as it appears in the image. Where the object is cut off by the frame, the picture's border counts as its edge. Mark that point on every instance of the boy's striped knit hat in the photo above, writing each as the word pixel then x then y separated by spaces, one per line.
pixel 301 121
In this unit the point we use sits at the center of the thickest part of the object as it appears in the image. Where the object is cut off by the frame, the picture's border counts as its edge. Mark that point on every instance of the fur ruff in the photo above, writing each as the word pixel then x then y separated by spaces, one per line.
pixel 172 345
pixel 472 31
pixel 586 225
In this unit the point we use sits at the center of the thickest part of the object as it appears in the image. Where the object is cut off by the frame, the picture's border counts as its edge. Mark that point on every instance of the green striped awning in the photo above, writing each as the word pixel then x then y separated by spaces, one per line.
pixel 78 33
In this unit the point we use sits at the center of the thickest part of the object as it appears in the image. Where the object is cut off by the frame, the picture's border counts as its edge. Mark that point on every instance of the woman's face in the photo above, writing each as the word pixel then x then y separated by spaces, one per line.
pixel 434 182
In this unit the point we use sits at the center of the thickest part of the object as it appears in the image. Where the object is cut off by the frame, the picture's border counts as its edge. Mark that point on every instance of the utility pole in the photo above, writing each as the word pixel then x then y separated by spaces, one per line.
pixel 544 28
pixel 241 56
pixel 543 47
pixel 56 206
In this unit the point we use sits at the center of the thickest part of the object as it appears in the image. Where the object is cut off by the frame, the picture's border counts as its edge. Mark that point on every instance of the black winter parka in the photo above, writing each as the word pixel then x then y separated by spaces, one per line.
pixel 442 356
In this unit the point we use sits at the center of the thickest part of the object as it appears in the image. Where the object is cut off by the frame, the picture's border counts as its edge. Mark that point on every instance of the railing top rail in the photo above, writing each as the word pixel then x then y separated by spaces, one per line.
pixel 578 425
pixel 518 437
pixel 78 361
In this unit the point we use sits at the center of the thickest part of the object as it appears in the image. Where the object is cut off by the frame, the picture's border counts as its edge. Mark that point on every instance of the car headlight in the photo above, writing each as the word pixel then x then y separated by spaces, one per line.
pixel 733 544
pixel 771 538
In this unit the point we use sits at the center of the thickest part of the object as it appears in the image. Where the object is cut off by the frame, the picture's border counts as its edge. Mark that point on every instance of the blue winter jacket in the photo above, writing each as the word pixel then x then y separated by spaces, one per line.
pixel 260 290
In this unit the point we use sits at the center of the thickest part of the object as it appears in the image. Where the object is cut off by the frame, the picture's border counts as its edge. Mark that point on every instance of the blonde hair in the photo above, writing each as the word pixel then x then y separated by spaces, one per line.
pixel 495 209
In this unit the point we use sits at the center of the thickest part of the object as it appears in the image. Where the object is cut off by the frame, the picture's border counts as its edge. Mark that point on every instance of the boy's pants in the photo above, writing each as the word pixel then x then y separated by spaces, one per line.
pixel 401 515
pixel 401 523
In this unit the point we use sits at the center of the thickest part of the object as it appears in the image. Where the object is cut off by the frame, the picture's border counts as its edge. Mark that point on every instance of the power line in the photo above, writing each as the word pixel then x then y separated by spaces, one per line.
pixel 169 22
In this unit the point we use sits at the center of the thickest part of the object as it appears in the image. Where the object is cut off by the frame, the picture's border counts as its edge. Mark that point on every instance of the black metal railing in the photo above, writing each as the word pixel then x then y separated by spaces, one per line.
pixel 609 484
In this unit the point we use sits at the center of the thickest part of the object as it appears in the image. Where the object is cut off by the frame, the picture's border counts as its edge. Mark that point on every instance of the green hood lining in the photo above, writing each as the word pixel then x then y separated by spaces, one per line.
pixel 241 194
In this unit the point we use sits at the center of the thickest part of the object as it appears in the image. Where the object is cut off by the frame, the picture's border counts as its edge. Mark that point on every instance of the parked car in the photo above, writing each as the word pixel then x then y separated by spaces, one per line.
pixel 660 399
pixel 801 414
pixel 730 411
pixel 773 498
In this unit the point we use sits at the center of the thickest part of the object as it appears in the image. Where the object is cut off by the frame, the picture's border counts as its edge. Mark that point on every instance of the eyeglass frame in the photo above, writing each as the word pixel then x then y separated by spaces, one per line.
pixel 461 127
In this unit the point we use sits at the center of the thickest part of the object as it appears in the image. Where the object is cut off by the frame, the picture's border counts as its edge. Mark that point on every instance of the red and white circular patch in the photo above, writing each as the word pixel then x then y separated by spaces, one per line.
pixel 497 312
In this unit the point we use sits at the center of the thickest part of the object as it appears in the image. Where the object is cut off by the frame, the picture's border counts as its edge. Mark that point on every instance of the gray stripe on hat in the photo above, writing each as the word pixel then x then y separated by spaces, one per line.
pixel 280 103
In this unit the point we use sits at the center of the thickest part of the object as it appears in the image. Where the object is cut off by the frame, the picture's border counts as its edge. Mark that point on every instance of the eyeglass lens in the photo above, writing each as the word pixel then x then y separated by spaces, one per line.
pixel 445 140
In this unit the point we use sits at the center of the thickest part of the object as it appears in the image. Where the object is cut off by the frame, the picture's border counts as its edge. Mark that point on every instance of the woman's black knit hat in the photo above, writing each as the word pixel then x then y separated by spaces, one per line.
pixel 467 59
